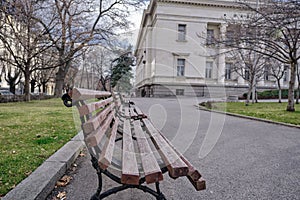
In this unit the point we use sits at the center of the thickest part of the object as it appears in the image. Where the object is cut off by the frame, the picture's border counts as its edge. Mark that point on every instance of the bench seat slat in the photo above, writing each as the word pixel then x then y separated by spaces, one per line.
pixel 199 184
pixel 138 111
pixel 175 165
pixel 83 94
pixel 151 168
pixel 133 114
pixel 107 153
pixel 94 138
pixel 91 107
pixel 126 112
pixel 194 175
pixel 130 172
pixel 93 123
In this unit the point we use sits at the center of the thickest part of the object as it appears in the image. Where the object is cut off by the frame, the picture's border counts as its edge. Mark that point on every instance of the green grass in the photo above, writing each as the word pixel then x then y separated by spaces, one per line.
pixel 30 132
pixel 272 111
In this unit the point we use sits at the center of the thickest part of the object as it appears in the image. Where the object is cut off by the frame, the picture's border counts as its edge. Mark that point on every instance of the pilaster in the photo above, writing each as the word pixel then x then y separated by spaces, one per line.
pixel 221 57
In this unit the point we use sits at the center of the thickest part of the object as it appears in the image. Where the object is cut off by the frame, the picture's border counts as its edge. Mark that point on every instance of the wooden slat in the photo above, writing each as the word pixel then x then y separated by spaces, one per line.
pixel 91 107
pixel 138 111
pixel 193 173
pixel 130 172
pixel 199 184
pixel 83 94
pixel 151 168
pixel 126 112
pixel 107 153
pixel 94 138
pixel 133 114
pixel 117 99
pixel 175 165
pixel 93 123
pixel 117 102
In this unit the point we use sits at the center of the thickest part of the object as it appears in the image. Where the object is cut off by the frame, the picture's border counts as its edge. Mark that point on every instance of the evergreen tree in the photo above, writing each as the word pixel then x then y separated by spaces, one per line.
pixel 121 72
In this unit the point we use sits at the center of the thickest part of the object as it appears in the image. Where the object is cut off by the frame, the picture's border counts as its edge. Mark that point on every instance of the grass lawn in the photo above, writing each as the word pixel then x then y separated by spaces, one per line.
pixel 266 110
pixel 30 132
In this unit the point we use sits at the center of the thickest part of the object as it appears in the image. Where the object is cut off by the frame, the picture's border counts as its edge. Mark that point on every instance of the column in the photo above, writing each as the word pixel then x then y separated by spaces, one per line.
pixel 221 57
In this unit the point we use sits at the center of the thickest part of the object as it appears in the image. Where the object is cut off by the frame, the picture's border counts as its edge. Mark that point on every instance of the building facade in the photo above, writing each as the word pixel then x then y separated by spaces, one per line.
pixel 176 54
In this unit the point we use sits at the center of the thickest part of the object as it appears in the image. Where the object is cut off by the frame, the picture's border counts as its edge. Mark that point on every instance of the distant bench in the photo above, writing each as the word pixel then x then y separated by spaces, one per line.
pixel 125 146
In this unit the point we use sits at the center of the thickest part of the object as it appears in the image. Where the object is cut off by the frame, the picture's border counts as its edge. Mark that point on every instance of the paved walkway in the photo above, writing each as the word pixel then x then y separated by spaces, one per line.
pixel 239 158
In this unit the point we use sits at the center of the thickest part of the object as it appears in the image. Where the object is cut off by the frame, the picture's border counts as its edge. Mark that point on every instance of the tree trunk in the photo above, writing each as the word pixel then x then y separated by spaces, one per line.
pixel 12 87
pixel 27 84
pixel 32 84
pixel 298 89
pixel 60 80
pixel 279 91
pixel 248 96
pixel 253 94
pixel 44 87
pixel 298 94
pixel 291 103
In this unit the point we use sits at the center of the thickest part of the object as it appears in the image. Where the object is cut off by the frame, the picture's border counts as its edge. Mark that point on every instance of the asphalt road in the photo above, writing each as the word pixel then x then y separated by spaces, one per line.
pixel 239 158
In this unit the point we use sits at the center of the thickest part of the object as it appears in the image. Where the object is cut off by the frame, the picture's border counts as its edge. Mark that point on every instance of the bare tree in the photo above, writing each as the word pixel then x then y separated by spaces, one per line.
pixel 102 62
pixel 250 66
pixel 272 30
pixel 23 38
pixel 42 77
pixel 12 76
pixel 81 23
pixel 276 70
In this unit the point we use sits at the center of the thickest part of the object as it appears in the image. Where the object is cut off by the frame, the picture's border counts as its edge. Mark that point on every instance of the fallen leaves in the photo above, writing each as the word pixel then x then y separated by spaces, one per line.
pixel 28 173
pixel 81 154
pixel 60 196
pixel 63 181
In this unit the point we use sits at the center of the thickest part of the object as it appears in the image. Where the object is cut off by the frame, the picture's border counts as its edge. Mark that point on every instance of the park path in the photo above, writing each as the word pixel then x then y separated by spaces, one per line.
pixel 239 158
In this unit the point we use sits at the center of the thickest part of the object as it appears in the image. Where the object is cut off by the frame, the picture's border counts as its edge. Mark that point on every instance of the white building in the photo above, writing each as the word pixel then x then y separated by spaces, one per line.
pixel 175 51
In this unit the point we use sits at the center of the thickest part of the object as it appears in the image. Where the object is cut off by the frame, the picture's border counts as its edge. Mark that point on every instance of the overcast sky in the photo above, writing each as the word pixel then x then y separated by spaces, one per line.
pixel 136 18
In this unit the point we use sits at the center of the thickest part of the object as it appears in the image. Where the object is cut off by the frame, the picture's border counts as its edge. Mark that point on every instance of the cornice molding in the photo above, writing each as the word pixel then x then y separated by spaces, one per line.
pixel 222 4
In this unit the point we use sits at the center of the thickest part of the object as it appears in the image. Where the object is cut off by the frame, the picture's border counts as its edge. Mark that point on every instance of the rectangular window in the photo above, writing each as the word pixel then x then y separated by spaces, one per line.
pixel 229 38
pixel 180 92
pixel 181 32
pixel 247 74
pixel 228 68
pixel 266 75
pixel 285 76
pixel 180 67
pixel 267 72
pixel 210 37
pixel 208 69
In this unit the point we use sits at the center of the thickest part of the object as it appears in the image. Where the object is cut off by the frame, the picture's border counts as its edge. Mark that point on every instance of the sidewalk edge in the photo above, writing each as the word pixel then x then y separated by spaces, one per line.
pixel 39 184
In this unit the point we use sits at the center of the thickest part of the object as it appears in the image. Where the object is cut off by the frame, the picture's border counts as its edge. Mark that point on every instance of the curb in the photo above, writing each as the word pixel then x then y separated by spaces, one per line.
pixel 247 117
pixel 39 184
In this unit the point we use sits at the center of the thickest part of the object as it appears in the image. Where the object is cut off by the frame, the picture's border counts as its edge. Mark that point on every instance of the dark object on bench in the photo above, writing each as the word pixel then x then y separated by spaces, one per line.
pixel 125 146
pixel 67 98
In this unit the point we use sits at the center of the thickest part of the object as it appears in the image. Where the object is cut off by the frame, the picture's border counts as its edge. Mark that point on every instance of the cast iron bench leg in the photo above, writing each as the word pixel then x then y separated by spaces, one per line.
pixel 99 173
pixel 161 196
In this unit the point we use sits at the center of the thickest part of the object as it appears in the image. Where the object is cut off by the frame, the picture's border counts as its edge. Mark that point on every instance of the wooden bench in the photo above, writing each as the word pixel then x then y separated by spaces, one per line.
pixel 125 146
